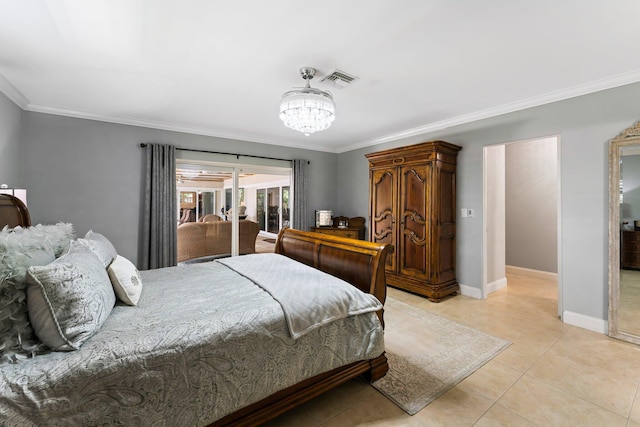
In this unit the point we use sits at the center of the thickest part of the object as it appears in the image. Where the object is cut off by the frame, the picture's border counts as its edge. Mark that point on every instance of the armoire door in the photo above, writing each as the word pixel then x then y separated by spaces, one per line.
pixel 383 207
pixel 446 235
pixel 413 243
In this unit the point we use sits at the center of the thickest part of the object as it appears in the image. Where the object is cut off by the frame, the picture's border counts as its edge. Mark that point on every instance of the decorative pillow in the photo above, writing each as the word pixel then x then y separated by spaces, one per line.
pixel 69 299
pixel 59 235
pixel 125 280
pixel 20 248
pixel 101 246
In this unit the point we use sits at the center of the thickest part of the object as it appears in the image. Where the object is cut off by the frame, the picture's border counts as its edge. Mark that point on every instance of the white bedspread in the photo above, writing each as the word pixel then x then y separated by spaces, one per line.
pixel 309 298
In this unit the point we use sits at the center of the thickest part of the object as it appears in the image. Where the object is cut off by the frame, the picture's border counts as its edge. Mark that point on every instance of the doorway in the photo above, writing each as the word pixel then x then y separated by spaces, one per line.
pixel 217 191
pixel 521 221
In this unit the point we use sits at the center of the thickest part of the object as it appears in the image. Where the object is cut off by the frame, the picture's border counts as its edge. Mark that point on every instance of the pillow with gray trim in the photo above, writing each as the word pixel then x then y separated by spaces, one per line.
pixel 101 246
pixel 125 280
pixel 69 299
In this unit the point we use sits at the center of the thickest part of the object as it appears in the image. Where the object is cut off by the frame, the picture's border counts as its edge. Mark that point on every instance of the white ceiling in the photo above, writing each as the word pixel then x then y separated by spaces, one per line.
pixel 219 68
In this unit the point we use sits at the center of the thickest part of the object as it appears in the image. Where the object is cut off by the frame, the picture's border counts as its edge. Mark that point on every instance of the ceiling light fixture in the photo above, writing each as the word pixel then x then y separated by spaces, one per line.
pixel 306 109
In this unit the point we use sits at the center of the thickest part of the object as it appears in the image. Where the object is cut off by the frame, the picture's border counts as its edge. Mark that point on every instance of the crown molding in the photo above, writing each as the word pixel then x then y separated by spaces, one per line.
pixel 170 127
pixel 595 86
pixel 12 93
pixel 560 95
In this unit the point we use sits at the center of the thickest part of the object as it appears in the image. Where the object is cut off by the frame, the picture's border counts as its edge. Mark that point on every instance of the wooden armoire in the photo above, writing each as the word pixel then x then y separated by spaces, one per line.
pixel 412 196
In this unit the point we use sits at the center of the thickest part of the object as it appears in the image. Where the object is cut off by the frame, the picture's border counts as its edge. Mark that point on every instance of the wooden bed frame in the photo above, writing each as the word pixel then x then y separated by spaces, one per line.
pixel 358 262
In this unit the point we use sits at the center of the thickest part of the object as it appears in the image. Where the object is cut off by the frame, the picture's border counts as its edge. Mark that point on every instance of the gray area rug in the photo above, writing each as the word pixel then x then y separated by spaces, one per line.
pixel 428 355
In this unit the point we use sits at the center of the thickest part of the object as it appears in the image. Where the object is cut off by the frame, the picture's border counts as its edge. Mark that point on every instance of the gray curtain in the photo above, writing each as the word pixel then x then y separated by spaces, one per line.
pixel 159 222
pixel 301 195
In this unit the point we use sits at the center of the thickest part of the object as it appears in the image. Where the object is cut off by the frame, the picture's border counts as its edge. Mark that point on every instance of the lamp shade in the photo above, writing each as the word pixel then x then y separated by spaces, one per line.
pixel 306 109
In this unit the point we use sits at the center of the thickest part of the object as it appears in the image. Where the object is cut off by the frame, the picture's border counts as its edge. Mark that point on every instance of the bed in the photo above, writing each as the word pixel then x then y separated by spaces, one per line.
pixel 160 362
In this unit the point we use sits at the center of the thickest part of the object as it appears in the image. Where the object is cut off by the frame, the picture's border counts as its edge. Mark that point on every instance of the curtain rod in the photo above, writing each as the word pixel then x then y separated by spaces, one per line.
pixel 142 145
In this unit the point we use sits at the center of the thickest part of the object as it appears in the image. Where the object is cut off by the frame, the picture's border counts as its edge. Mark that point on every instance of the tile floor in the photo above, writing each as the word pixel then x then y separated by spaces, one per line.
pixel 264 246
pixel 551 375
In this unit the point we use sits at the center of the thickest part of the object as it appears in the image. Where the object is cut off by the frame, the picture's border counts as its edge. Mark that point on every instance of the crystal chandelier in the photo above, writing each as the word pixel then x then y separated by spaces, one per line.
pixel 306 109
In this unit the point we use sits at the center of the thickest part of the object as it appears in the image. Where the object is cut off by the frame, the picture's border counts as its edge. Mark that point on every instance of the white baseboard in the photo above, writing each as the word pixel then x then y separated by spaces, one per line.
pixel 470 291
pixel 586 322
pixel 473 292
pixel 538 274
pixel 576 319
pixel 496 285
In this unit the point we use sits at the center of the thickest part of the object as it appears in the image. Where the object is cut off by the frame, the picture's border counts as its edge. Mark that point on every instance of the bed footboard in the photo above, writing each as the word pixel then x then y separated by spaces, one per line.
pixel 357 262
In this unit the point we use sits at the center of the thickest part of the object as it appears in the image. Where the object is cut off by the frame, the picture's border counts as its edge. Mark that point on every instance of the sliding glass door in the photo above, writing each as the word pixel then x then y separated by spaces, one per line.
pixel 273 210
pixel 261 207
pixel 258 194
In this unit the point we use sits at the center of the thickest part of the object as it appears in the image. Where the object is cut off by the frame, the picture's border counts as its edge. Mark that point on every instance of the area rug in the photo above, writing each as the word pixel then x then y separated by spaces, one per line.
pixel 428 355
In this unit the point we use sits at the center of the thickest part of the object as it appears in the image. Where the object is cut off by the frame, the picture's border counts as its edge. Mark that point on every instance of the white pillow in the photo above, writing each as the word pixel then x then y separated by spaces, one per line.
pixel 125 280
pixel 100 245
pixel 69 299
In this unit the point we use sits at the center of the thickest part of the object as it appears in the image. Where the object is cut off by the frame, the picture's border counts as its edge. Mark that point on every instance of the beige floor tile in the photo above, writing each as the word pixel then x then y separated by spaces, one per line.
pixel 518 357
pixel 329 405
pixel 492 380
pixel 460 406
pixel 634 416
pixel 594 349
pixel 584 375
pixel 376 410
pixel 545 405
pixel 499 416
pixel 297 417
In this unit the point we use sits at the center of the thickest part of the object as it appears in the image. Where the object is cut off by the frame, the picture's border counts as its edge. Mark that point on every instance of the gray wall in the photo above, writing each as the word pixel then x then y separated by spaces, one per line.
pixel 531 201
pixel 585 125
pixel 90 173
pixel 10 136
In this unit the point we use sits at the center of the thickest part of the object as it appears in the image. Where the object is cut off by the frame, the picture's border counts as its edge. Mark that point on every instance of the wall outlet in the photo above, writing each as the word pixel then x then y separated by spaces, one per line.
pixel 463 212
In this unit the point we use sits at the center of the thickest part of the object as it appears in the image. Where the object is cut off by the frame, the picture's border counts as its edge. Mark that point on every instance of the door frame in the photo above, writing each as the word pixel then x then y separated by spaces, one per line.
pixel 485 220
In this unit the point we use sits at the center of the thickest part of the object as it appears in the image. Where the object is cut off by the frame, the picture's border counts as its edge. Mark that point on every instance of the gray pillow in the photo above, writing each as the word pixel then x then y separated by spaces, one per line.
pixel 101 246
pixel 69 299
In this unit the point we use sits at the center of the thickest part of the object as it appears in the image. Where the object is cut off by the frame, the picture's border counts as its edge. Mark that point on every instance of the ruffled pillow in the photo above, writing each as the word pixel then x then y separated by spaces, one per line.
pixel 21 248
pixel 59 235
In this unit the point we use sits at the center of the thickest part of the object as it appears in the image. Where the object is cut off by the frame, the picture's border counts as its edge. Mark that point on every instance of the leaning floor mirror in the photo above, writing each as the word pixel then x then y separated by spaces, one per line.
pixel 624 235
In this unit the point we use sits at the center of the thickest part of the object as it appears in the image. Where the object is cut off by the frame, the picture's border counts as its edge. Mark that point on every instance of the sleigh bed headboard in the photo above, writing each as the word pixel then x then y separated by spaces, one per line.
pixel 358 262
pixel 13 212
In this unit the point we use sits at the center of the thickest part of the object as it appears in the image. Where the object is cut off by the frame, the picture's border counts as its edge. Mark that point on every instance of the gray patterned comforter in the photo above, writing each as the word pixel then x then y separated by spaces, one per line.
pixel 202 342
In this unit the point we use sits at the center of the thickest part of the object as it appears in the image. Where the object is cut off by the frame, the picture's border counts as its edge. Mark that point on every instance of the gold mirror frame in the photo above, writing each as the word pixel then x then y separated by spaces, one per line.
pixel 628 137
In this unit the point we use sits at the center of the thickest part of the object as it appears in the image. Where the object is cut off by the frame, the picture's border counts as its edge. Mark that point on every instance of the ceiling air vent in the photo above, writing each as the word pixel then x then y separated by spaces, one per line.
pixel 338 79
